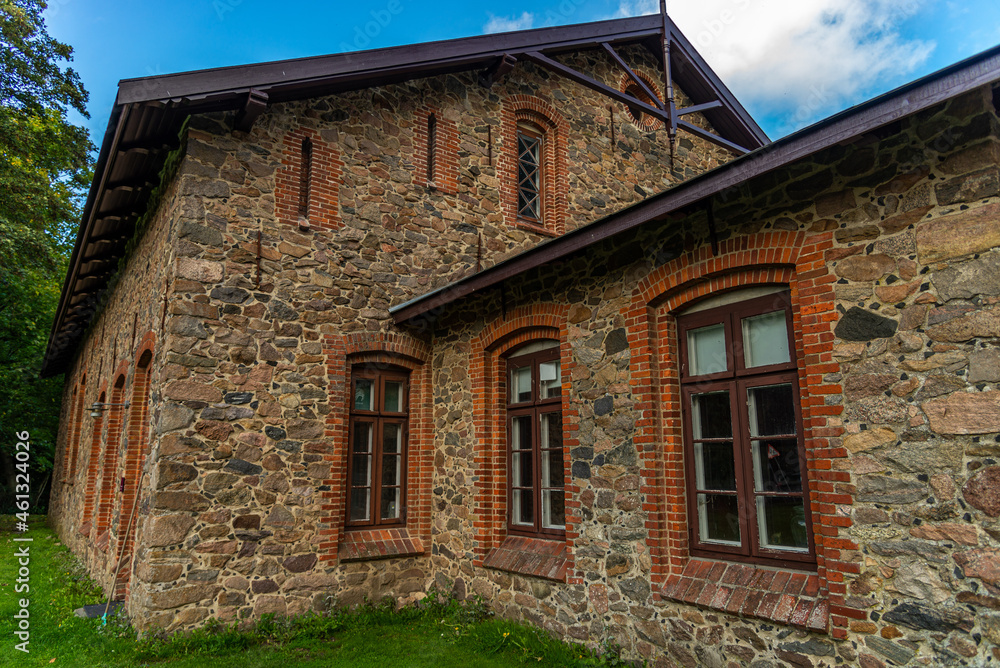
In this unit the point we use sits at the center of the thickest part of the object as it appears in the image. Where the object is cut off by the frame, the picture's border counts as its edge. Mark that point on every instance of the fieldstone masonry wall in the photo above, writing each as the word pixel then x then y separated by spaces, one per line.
pixel 891 248
pixel 258 308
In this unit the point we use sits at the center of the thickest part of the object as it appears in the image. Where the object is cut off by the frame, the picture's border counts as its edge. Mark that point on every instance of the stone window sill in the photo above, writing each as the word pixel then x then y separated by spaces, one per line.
pixel 778 595
pixel 370 544
pixel 547 559
pixel 533 227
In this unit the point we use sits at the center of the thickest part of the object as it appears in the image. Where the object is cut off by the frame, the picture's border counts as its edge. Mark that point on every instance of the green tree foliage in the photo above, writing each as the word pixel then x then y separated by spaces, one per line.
pixel 45 168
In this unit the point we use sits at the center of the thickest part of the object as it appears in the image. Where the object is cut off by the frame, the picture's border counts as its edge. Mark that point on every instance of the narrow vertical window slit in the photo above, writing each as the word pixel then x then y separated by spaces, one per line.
pixel 431 146
pixel 305 178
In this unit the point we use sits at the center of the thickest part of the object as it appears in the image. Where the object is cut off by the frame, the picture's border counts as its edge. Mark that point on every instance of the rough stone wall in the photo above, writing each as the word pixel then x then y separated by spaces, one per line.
pixel 129 323
pixel 267 307
pixel 901 385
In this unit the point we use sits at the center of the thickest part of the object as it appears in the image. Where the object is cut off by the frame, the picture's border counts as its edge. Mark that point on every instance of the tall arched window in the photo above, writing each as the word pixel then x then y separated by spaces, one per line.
pixel 535 471
pixel 530 172
pixel 110 469
pixel 379 431
pixel 77 429
pixel 92 470
pixel 534 189
pixel 746 477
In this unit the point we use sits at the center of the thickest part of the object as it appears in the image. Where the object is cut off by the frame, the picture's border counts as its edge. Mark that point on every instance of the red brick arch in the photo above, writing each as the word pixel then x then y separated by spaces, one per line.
pixel 109 473
pixel 90 491
pixel 554 150
pixel 486 365
pixel 324 183
pixel 794 259
pixel 343 351
pixel 137 447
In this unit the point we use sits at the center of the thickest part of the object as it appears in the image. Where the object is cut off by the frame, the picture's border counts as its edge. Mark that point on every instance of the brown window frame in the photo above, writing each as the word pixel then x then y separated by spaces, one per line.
pixel 737 380
pixel 531 130
pixel 535 408
pixel 378 418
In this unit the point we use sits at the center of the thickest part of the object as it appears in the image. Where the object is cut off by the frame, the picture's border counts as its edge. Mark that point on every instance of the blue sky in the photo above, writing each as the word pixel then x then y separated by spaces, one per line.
pixel 791 62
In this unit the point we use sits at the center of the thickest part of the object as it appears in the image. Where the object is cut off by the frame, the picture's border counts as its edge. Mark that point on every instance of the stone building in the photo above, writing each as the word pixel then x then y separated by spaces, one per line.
pixel 508 316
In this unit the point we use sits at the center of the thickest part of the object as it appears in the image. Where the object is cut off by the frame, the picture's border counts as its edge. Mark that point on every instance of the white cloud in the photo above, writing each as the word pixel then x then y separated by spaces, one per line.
pixel 798 60
pixel 504 24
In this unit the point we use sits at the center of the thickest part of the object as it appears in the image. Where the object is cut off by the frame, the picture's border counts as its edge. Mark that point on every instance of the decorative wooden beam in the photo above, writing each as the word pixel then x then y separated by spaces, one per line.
pixel 155 144
pixel 593 84
pixel 122 213
pixel 255 105
pixel 497 71
pixel 632 75
pixel 695 108
pixel 117 235
pixel 128 186
pixel 97 273
pixel 708 136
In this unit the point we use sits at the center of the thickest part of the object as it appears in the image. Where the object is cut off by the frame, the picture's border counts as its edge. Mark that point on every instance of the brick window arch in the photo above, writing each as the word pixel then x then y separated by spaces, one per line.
pixel 498 544
pixel 532 166
pixel 136 447
pixel 77 429
pixel 435 150
pixel 307 186
pixel 90 492
pixel 109 473
pixel 786 594
pixel 643 121
pixel 384 357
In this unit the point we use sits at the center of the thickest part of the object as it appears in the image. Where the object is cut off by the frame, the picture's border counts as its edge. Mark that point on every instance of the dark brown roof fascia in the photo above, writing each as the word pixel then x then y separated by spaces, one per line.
pixel 849 124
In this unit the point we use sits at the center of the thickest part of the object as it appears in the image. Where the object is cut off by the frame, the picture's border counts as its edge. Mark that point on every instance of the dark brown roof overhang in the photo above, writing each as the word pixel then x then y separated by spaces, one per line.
pixel 846 126
pixel 149 112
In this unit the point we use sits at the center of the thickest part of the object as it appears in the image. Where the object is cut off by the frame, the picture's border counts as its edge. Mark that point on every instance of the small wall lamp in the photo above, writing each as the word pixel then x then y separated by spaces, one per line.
pixel 98 407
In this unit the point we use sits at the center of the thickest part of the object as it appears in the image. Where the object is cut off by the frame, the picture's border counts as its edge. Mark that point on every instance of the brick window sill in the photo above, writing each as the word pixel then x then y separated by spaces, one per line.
pixel 532 227
pixel 547 559
pixel 778 595
pixel 370 544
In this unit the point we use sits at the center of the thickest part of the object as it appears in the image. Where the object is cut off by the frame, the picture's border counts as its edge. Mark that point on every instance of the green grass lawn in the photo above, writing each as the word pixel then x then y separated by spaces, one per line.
pixel 440 635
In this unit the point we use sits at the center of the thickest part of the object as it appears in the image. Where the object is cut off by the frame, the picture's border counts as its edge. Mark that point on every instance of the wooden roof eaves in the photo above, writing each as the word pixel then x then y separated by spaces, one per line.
pixel 982 69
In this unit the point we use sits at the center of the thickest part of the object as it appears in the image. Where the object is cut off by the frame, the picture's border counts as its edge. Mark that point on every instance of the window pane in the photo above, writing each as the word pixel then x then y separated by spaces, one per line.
pixel 707 350
pixel 776 466
pixel 719 519
pixel 548 376
pixel 361 475
pixel 551 431
pixel 390 504
pixel 772 410
pixel 523 511
pixel 711 415
pixel 390 471
pixel 520 437
pixel 392 438
pixel 363 394
pixel 363 436
pixel 359 504
pixel 765 340
pixel 553 509
pixel 520 385
pixel 715 467
pixel 521 476
pixel 552 468
pixel 782 523
pixel 393 399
